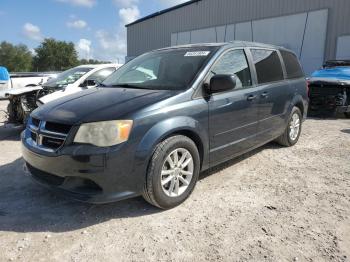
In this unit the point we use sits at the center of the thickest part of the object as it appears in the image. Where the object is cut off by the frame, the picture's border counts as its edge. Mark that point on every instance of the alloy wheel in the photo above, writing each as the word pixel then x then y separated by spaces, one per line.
pixel 294 127
pixel 177 172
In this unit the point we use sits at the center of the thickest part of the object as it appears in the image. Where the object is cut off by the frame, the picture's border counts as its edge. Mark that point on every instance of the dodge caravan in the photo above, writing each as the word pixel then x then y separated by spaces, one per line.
pixel 152 126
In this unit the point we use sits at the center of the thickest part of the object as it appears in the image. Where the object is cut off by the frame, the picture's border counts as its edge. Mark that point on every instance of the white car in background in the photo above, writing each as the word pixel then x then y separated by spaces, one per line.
pixel 24 100
pixel 75 80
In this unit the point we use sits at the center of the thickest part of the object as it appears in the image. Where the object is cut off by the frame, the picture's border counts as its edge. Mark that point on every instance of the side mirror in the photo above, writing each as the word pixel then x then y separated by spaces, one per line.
pixel 88 83
pixel 221 83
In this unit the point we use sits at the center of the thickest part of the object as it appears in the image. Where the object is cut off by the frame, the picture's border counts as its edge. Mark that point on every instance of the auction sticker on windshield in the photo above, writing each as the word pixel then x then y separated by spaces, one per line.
pixel 198 53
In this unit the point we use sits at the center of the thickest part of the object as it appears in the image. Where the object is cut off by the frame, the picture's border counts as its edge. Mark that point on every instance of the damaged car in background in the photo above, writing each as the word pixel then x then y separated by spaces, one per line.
pixel 24 100
pixel 17 89
pixel 329 89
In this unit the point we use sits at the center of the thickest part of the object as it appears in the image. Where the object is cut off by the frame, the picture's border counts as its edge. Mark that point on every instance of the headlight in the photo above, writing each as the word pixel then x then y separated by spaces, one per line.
pixel 103 134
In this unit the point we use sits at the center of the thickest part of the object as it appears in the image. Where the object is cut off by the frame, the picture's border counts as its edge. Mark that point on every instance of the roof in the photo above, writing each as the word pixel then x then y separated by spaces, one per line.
pixel 163 12
pixel 100 65
pixel 192 46
pixel 230 44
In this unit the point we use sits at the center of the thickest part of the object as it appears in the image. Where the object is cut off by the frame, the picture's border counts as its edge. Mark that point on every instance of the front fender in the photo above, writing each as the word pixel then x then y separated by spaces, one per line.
pixel 168 127
pixel 162 130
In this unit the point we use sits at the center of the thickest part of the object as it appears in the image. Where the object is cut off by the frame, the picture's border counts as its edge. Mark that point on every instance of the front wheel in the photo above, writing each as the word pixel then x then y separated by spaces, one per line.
pixel 292 132
pixel 173 172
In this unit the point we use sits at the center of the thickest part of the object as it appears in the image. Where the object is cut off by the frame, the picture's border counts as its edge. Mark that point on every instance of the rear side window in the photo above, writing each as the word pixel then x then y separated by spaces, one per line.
pixel 292 65
pixel 234 63
pixel 268 65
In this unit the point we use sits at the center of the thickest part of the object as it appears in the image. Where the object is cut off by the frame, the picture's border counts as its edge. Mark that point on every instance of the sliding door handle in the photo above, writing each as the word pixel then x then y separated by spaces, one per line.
pixel 264 95
pixel 251 97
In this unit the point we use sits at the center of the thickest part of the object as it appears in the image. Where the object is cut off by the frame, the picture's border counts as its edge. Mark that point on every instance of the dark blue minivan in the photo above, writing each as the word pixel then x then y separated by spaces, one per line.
pixel 157 122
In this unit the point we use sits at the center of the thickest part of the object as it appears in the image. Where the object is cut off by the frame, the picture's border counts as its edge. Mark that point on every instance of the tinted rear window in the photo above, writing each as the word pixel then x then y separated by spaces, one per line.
pixel 268 65
pixel 292 65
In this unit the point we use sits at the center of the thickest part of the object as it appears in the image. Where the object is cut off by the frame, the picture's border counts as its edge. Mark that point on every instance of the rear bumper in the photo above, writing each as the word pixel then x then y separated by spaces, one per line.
pixel 99 178
pixel 328 109
pixel 329 97
pixel 343 109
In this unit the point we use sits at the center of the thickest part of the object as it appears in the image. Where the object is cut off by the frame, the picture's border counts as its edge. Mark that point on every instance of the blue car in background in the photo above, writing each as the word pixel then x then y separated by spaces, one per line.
pixel 329 89
pixel 4 78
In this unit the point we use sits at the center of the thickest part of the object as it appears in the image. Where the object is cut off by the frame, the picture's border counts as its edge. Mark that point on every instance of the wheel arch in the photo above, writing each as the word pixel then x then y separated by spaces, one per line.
pixel 194 137
pixel 300 105
pixel 185 126
pixel 298 102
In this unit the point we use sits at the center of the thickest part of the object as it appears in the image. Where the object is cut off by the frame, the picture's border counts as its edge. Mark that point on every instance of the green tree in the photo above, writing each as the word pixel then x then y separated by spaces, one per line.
pixel 53 55
pixel 92 62
pixel 17 58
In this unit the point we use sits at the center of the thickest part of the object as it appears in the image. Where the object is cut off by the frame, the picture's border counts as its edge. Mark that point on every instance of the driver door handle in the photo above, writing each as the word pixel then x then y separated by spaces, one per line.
pixel 264 95
pixel 251 97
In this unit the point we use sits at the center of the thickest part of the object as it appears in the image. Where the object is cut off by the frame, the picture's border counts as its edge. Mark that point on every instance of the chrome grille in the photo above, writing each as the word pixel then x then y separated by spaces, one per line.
pixel 48 135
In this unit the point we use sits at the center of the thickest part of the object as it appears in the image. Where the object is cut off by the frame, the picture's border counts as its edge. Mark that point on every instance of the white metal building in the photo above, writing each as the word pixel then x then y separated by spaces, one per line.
pixel 316 30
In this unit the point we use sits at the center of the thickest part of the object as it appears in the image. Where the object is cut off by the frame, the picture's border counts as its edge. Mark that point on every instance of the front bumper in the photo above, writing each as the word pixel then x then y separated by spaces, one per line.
pixel 83 173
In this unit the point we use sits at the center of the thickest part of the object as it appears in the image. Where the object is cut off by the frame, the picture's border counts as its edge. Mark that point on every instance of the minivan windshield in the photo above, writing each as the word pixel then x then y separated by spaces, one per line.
pixel 170 69
pixel 67 77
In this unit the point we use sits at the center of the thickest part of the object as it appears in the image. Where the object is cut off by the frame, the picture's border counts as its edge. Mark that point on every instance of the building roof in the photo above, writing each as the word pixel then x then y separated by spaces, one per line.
pixel 163 12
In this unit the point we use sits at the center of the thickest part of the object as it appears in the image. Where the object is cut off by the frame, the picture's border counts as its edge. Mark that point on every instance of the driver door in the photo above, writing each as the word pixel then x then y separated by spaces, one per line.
pixel 233 115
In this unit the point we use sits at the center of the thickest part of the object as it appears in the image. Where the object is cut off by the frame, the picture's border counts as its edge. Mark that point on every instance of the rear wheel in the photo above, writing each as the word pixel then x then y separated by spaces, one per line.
pixel 292 132
pixel 347 115
pixel 173 172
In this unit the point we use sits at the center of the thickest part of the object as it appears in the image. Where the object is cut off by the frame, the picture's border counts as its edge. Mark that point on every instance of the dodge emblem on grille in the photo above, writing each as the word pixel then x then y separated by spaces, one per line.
pixel 45 138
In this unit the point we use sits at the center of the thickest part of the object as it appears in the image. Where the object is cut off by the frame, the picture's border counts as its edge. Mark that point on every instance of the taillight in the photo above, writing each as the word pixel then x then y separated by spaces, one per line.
pixel 308 88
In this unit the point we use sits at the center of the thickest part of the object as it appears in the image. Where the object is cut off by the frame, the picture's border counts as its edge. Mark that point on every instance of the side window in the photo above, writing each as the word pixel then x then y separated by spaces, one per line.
pixel 292 65
pixel 268 66
pixel 234 63
pixel 102 74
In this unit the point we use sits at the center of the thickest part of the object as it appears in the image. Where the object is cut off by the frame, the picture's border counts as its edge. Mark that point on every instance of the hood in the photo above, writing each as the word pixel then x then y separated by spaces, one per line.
pixel 55 93
pixel 99 104
pixel 337 73
pixel 4 94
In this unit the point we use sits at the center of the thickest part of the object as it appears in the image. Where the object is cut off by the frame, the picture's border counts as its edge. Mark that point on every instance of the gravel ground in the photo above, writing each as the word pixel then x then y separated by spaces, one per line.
pixel 274 204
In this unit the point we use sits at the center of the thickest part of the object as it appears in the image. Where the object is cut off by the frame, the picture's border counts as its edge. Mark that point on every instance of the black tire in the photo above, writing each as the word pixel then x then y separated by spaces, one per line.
pixel 285 139
pixel 153 191
pixel 347 115
pixel 11 113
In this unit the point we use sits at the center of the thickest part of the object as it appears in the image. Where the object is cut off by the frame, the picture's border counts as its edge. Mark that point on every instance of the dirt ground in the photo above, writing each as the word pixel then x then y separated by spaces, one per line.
pixel 274 204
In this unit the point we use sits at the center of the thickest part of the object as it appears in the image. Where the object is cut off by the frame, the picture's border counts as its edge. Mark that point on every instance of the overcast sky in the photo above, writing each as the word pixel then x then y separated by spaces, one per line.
pixel 96 27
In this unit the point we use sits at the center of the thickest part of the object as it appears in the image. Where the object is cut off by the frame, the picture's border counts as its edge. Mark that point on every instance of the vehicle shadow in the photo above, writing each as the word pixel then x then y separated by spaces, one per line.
pixel 10 132
pixel 28 207
pixel 234 161
pixel 325 116
pixel 346 131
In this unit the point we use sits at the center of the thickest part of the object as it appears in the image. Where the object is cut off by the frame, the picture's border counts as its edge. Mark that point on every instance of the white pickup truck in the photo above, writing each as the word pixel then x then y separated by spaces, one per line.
pixel 19 82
